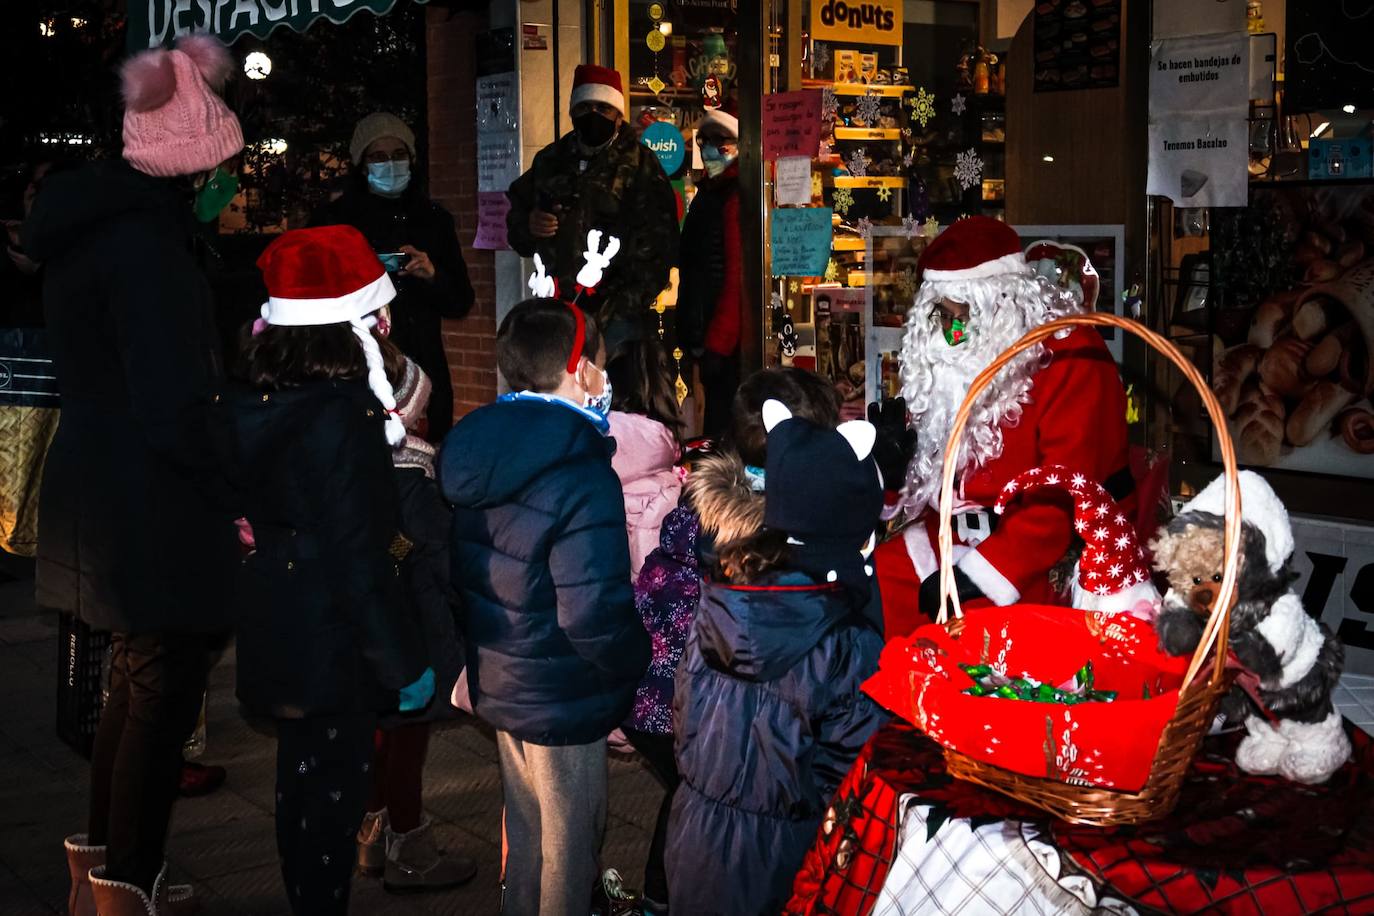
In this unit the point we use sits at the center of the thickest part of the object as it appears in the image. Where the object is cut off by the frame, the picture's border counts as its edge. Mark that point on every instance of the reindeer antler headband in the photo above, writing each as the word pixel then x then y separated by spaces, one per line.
pixel 595 261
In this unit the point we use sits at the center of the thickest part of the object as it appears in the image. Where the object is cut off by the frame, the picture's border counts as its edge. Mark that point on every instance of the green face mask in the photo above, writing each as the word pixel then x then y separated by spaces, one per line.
pixel 215 195
pixel 956 333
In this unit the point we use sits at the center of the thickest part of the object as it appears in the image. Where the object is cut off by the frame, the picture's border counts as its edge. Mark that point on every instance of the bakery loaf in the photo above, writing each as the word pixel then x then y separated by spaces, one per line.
pixel 1357 429
pixel 1270 318
pixel 1354 293
pixel 1234 367
pixel 1258 427
pixel 1281 366
pixel 1317 410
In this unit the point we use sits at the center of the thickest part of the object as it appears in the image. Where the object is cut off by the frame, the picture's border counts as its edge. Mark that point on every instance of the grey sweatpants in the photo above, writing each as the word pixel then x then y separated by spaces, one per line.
pixel 555 815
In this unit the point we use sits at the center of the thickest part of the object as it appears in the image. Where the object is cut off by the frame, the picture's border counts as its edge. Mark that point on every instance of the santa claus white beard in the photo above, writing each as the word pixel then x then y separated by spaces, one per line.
pixel 936 376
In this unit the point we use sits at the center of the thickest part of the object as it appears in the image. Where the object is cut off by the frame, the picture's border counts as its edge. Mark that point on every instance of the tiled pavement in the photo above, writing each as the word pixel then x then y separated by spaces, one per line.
pixel 224 843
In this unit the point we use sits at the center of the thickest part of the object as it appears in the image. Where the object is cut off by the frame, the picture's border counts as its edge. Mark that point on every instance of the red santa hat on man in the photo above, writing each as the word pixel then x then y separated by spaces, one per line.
pixel 330 275
pixel 973 248
pixel 597 84
pixel 724 119
pixel 1112 574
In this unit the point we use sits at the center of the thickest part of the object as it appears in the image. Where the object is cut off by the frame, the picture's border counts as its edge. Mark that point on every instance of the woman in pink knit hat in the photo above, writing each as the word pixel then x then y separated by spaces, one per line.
pixel 135 530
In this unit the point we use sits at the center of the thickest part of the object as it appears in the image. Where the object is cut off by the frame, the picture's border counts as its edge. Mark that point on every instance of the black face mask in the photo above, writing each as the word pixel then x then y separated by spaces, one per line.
pixel 593 129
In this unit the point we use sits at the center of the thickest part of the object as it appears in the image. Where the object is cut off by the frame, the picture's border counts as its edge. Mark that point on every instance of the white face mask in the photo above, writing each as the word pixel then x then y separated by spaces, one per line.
pixel 390 178
pixel 601 403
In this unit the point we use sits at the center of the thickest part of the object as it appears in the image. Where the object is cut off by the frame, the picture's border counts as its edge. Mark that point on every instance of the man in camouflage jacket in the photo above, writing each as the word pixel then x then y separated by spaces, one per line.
pixel 577 184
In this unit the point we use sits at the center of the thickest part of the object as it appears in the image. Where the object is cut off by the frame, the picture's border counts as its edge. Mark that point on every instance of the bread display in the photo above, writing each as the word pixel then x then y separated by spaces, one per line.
pixel 1302 377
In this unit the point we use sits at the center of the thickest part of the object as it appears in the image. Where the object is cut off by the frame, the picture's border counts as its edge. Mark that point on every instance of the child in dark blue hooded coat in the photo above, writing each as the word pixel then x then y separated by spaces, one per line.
pixel 767 708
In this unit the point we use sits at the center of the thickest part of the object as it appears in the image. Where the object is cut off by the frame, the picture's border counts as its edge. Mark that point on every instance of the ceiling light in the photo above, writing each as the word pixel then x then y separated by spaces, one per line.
pixel 1348 109
pixel 47 27
pixel 1321 128
pixel 1047 158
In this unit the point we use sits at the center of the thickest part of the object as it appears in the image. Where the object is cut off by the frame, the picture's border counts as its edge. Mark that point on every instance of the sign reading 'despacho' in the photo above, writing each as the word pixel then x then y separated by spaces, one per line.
pixel 871 22
pixel 159 22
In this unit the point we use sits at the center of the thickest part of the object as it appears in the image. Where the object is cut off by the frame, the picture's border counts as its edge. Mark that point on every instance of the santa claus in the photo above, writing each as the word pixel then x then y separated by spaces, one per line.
pixel 1058 403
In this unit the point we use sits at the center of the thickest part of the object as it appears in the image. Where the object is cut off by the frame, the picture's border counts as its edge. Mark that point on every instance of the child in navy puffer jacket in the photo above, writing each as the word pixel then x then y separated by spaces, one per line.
pixel 768 711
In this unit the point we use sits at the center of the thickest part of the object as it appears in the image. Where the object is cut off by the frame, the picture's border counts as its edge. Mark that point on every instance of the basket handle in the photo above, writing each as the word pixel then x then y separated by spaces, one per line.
pixel 1214 634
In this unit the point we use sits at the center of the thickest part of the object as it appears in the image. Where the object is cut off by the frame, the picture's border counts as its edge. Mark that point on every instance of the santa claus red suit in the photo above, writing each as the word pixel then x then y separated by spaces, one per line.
pixel 1059 403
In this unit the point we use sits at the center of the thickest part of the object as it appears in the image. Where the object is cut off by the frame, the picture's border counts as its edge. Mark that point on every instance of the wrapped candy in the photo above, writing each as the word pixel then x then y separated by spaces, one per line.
pixel 987 682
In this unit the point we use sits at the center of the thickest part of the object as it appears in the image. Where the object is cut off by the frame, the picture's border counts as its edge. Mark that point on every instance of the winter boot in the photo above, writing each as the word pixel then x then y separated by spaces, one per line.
pixel 415 864
pixel 80 860
pixel 173 899
pixel 372 843
pixel 116 898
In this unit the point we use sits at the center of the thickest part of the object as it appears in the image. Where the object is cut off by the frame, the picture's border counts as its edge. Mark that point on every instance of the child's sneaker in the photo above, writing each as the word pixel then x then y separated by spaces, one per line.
pixel 415 864
pixel 372 843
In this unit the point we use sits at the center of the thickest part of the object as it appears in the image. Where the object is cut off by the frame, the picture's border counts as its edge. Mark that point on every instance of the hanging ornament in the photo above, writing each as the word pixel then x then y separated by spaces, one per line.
pixel 655 11
pixel 656 85
pixel 865 227
pixel 868 109
pixel 932 227
pixel 911 226
pixel 794 286
pixel 660 307
pixel 832 271
pixel 655 41
pixel 968 169
pixel 710 94
pixel 884 193
pixel 820 57
pixel 817 185
pixel 922 106
pixel 858 163
pixel 958 104
pixel 829 104
pixel 679 386
pixel 844 199
pixel 909 157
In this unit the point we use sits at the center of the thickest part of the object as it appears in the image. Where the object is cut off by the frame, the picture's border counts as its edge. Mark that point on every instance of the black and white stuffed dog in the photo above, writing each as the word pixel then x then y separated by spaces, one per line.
pixel 1297 660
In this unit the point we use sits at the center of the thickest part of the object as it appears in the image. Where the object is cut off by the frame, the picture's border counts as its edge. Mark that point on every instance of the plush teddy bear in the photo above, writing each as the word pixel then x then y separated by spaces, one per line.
pixel 1298 734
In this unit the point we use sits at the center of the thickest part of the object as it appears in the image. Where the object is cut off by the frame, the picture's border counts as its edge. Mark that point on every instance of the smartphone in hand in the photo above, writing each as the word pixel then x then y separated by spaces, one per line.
pixel 393 261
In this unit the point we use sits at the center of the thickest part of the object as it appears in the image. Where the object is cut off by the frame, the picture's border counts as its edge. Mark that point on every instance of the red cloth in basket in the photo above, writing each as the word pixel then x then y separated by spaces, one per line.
pixel 1111 745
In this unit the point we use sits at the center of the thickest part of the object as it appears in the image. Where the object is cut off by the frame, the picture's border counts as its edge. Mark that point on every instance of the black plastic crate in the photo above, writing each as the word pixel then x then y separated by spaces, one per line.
pixel 83 676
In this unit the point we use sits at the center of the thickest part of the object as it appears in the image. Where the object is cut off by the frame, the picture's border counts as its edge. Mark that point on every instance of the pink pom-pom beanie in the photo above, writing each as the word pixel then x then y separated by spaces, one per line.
pixel 175 122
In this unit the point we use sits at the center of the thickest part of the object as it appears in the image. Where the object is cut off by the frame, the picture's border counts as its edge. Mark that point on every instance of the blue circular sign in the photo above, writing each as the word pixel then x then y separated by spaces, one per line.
pixel 666 142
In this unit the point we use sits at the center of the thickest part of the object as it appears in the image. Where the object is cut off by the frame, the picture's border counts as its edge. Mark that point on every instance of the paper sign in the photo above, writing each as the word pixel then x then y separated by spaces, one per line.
pixel 791 123
pixel 492 207
pixel 857 22
pixel 1178 18
pixel 801 241
pixel 1198 77
pixel 792 182
pixel 1197 162
pixel 498 132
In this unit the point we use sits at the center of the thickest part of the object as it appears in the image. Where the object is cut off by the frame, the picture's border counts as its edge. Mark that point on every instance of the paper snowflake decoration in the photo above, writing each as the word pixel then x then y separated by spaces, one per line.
pixel 911 226
pixel 858 163
pixel 932 227
pixel 968 169
pixel 909 157
pixel 958 104
pixel 832 271
pixel 865 227
pixel 817 185
pixel 884 193
pixel 844 199
pixel 867 109
pixel 820 56
pixel 829 104
pixel 794 286
pixel 922 106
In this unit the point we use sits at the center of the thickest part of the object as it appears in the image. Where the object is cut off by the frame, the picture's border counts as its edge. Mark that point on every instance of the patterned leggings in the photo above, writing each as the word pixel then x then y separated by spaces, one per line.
pixel 323 778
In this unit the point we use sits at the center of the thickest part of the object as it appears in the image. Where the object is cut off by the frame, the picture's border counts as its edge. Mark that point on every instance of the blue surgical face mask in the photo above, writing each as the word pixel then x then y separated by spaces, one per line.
pixel 390 178
pixel 600 403
pixel 714 159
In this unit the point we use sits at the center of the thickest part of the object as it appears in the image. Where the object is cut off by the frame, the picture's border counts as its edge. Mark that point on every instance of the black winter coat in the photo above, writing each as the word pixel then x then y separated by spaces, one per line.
pixel 420 305
pixel 135 526
pixel 322 622
pixel 425 522
pixel 541 559
pixel 769 718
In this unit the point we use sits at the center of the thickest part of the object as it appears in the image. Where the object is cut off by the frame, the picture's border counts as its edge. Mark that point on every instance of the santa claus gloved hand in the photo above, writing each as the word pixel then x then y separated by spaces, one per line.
pixel 930 591
pixel 896 441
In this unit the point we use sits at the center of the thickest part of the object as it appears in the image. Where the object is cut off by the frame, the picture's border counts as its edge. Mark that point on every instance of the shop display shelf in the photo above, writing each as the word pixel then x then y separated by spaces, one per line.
pixel 868 133
pixel 868 182
pixel 885 90
pixel 848 243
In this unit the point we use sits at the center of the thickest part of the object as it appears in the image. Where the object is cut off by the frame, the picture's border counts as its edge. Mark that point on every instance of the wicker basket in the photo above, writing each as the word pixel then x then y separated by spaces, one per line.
pixel 1206 681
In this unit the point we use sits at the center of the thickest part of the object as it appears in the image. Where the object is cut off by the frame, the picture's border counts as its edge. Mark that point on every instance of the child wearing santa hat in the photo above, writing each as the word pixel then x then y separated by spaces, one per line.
pixel 323 642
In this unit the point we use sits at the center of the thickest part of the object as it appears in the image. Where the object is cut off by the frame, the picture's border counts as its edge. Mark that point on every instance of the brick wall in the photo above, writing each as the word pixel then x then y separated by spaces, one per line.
pixel 471 342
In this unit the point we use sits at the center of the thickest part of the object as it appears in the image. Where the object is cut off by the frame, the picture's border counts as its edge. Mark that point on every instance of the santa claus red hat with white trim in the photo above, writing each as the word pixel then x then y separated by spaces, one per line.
pixel 597 84
pixel 330 275
pixel 1113 574
pixel 725 119
pixel 973 248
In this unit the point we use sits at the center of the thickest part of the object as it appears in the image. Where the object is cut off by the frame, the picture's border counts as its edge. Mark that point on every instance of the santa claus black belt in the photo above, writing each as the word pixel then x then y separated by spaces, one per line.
pixel 974 526
pixel 1120 485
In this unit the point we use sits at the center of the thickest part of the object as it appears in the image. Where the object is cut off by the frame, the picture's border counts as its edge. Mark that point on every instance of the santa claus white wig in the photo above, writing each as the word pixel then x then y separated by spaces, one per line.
pixel 936 375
